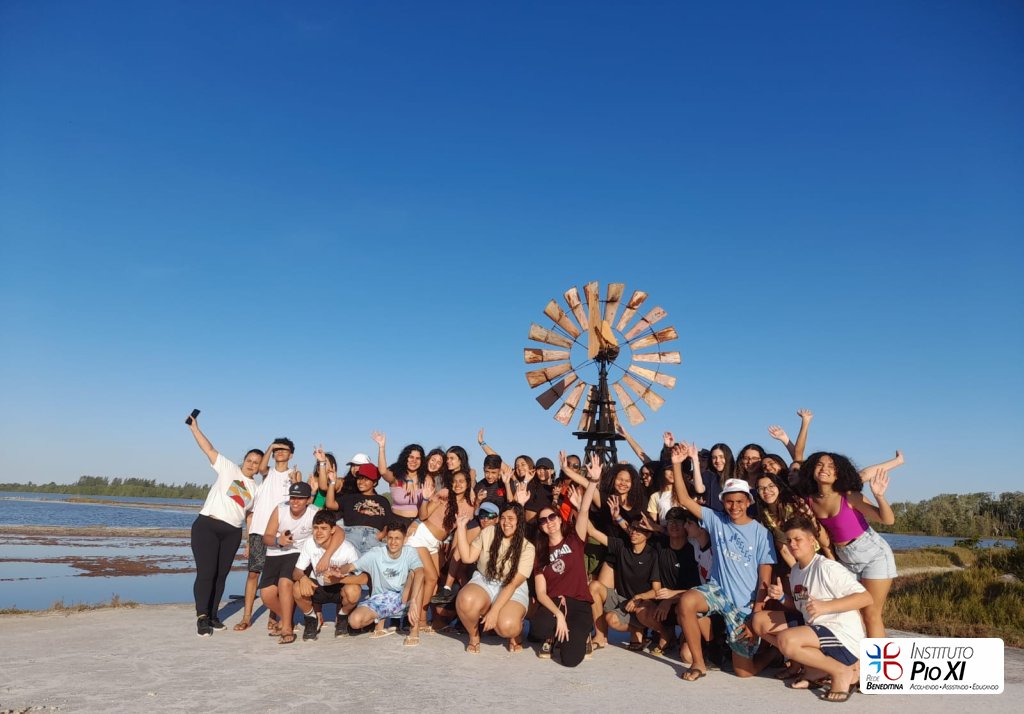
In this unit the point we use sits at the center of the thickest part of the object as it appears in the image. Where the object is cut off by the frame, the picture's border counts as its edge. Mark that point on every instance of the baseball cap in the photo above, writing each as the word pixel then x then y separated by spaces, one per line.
pixel 490 508
pixel 368 471
pixel 359 460
pixel 545 463
pixel 300 490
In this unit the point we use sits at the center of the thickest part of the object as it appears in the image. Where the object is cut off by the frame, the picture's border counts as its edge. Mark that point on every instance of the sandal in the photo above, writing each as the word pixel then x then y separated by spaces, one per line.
pixel 836 697
pixel 635 647
pixel 276 632
pixel 514 647
pixel 792 670
pixel 411 641
pixel 287 639
pixel 377 634
pixel 242 626
pixel 692 675
pixel 473 648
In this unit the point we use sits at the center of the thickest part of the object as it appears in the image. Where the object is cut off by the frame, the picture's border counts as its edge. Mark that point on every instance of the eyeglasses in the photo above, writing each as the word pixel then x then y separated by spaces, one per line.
pixel 769 487
pixel 550 518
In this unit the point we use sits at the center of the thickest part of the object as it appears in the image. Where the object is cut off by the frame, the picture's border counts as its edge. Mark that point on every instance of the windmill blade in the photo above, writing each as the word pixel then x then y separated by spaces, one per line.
pixel 541 334
pixel 666 335
pixel 592 293
pixel 654 400
pixel 663 357
pixel 550 396
pixel 645 322
pixel 559 317
pixel 546 374
pixel 572 299
pixel 565 412
pixel 632 304
pixel 651 376
pixel 613 295
pixel 587 416
pixel 532 355
pixel 628 405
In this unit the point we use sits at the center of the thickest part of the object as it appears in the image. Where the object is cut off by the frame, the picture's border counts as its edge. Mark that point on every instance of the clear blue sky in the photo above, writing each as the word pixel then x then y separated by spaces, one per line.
pixel 320 219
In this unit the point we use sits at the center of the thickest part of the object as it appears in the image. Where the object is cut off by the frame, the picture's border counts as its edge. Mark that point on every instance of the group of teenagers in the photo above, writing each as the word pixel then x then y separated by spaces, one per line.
pixel 739 563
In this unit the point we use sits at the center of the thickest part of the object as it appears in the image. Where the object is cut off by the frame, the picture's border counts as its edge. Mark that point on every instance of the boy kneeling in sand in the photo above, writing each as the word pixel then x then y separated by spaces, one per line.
pixel 829 600
pixel 396 579
pixel 317 589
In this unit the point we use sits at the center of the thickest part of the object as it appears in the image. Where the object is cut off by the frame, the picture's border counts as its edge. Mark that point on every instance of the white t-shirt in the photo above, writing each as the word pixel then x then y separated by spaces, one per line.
pixel 825 579
pixel 231 496
pixel 301 528
pixel 660 503
pixel 269 496
pixel 311 553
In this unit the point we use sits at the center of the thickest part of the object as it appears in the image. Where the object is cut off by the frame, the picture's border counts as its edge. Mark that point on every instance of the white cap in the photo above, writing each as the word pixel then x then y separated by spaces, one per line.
pixel 359 460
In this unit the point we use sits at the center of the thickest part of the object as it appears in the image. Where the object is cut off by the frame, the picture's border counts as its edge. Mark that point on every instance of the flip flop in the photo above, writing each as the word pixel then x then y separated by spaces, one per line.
pixel 411 641
pixel 836 697
pixel 473 648
pixel 810 684
pixel 377 634
pixel 242 626
pixel 635 647
pixel 514 647
pixel 287 639
pixel 692 675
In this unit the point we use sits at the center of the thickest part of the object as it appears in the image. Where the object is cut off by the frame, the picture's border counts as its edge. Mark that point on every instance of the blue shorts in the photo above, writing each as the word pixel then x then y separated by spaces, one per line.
pixel 386 604
pixel 868 556
pixel 739 636
pixel 831 646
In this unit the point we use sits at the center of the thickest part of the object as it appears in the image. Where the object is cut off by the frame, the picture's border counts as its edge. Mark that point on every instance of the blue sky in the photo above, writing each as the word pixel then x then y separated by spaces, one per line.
pixel 320 219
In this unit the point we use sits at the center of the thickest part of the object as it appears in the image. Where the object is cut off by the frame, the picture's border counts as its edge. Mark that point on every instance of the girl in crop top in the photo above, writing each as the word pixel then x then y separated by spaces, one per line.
pixel 831 485
pixel 405 477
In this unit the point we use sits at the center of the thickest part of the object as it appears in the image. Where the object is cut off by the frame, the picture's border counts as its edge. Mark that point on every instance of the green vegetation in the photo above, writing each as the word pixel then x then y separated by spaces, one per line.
pixel 59 606
pixel 985 600
pixel 955 557
pixel 972 515
pixel 101 486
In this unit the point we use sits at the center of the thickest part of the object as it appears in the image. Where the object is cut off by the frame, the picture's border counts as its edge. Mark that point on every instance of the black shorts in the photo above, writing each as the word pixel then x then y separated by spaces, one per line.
pixel 257 553
pixel 325 594
pixel 277 567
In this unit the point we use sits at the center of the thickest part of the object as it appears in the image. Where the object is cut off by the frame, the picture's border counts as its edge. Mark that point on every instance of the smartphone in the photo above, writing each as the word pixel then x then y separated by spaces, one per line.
pixel 188 419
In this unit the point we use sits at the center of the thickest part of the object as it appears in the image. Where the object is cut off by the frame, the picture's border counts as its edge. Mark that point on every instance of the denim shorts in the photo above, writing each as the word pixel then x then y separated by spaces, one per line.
pixel 521 594
pixel 868 557
pixel 362 538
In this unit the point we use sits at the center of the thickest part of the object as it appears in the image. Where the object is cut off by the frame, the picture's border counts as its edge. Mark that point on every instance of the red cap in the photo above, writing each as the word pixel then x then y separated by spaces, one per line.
pixel 368 471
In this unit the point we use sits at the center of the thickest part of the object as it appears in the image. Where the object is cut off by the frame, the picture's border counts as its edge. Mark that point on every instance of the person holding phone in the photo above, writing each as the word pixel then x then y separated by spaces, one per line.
pixel 217 530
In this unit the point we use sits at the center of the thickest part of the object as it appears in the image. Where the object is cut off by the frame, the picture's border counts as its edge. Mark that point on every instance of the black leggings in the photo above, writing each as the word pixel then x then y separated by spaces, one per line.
pixel 214 544
pixel 580 621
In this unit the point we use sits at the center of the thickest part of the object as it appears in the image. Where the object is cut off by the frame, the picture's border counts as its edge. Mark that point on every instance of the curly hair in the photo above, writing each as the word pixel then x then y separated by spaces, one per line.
pixel 786 506
pixel 452 507
pixel 847 478
pixel 400 468
pixel 738 469
pixel 510 561
pixel 636 499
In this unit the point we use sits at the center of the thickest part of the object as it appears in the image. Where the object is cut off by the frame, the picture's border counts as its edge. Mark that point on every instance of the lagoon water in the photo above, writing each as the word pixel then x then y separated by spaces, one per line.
pixel 29 584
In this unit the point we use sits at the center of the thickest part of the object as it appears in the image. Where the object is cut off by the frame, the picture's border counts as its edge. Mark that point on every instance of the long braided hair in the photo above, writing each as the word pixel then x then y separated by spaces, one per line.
pixel 510 561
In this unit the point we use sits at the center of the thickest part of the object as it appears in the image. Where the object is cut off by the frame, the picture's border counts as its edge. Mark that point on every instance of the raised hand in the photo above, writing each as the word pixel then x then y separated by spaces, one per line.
pixel 379 437
pixel 522 494
pixel 594 468
pixel 679 453
pixel 318 453
pixel 506 473
pixel 777 432
pixel 481 495
pixel 805 414
pixel 774 590
pixel 574 496
pixel 480 437
pixel 613 507
pixel 461 521
pixel 428 489
pixel 880 482
pixel 668 439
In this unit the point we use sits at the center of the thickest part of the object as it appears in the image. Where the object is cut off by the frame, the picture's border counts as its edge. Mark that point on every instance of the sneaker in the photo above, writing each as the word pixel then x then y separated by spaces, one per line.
pixel 203 628
pixel 444 596
pixel 341 626
pixel 310 627
pixel 545 649
pixel 588 653
pixel 216 624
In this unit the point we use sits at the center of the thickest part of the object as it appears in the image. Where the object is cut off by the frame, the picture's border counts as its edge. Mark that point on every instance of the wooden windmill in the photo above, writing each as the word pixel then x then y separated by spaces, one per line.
pixel 589 333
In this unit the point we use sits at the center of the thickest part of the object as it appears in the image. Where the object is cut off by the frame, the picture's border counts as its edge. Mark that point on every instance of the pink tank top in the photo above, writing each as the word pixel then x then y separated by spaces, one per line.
pixel 845 525
pixel 404 502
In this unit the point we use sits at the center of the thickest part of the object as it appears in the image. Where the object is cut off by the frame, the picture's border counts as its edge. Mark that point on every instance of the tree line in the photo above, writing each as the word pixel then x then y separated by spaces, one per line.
pixel 970 515
pixel 102 486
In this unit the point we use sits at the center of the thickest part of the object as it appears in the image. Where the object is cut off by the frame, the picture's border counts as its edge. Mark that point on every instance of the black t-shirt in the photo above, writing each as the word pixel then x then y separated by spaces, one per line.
pixel 540 496
pixel 678 568
pixel 634 572
pixel 359 510
pixel 495 491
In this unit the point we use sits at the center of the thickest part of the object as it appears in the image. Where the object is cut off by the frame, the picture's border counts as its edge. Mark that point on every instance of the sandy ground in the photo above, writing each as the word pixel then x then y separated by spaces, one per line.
pixel 149 659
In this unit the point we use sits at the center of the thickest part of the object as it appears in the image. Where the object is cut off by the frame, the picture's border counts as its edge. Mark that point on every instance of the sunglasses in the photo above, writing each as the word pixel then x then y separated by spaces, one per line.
pixel 550 518
pixel 485 515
